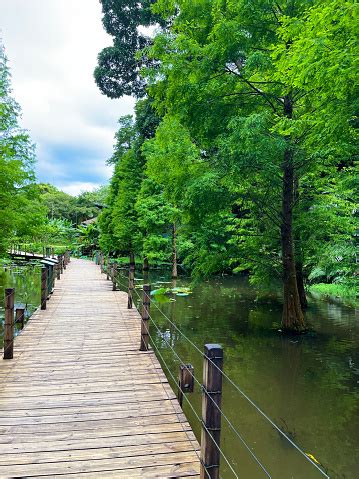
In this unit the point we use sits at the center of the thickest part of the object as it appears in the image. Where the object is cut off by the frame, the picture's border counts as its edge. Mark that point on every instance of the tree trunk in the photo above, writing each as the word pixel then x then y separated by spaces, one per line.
pixel 132 259
pixel 146 266
pixel 300 284
pixel 292 318
pixel 174 251
pixel 299 254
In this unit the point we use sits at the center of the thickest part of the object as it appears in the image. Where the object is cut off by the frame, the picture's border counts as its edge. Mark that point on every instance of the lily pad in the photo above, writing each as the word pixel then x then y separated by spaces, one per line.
pixel 162 298
pixel 159 291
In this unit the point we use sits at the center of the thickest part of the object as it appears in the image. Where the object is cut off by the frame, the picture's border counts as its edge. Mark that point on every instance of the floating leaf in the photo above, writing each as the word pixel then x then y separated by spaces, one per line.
pixel 162 298
pixel 159 291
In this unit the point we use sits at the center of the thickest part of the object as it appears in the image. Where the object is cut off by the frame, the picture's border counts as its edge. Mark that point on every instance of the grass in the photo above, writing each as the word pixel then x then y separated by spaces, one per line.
pixel 347 294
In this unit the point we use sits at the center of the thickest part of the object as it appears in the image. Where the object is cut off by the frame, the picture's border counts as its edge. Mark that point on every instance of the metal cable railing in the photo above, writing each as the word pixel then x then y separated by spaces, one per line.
pixel 258 409
pixel 48 276
pixel 192 408
pixel 181 361
pixel 230 424
pixel 230 381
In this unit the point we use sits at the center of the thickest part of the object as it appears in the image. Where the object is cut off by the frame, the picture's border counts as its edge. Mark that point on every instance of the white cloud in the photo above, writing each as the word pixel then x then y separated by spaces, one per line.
pixel 78 187
pixel 52 46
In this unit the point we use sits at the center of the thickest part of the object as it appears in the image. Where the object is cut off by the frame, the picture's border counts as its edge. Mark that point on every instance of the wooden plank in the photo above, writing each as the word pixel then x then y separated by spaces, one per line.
pixel 16 411
pixel 79 398
pixel 80 435
pixel 96 453
pixel 93 443
pixel 125 464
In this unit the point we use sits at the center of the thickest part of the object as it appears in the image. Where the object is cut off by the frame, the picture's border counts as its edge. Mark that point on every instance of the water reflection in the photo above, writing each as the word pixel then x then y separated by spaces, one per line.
pixel 27 282
pixel 308 384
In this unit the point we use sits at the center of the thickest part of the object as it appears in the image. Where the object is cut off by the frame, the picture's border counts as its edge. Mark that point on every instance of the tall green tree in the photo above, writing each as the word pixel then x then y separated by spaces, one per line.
pixel 230 81
pixel 17 157
pixel 119 222
pixel 155 221
pixel 118 70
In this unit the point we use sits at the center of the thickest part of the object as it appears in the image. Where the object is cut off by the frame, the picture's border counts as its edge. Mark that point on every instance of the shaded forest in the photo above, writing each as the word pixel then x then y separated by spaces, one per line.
pixel 241 154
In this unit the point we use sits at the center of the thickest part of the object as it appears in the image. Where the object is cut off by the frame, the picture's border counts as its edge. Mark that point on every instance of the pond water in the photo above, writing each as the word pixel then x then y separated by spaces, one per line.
pixel 308 385
pixel 27 282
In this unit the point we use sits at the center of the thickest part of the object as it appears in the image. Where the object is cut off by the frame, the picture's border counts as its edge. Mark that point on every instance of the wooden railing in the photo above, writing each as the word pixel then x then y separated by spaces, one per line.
pixel 17 315
pixel 211 386
pixel 212 370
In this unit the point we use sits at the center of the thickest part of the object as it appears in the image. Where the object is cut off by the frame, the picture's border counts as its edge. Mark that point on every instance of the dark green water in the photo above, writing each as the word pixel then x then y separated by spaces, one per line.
pixel 27 281
pixel 308 385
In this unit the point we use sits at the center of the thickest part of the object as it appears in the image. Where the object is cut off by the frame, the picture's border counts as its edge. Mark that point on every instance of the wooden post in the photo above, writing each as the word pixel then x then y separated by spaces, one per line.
pixel 185 381
pixel 131 281
pixel 108 267
pixel 114 276
pixel 58 269
pixel 20 316
pixel 145 315
pixel 52 252
pixel 53 278
pixel 9 323
pixel 43 287
pixel 211 414
pixel 64 260
pixel 61 263
pixel 48 252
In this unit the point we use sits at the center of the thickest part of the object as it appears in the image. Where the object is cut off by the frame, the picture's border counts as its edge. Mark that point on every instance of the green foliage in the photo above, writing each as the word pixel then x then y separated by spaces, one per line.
pixel 253 145
pixel 135 214
pixel 20 211
pixel 172 158
pixel 117 73
pixel 59 231
pixel 155 217
pixel 77 209
pixel 124 137
pixel 127 175
pixel 347 294
pixel 88 235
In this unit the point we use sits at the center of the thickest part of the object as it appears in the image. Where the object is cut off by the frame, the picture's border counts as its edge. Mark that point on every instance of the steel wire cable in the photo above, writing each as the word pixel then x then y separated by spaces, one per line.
pixel 192 442
pixel 258 409
pixel 192 408
pixel 240 437
pixel 219 409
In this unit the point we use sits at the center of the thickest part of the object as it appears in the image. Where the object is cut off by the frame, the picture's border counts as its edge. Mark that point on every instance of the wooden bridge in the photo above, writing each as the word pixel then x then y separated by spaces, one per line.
pixel 80 399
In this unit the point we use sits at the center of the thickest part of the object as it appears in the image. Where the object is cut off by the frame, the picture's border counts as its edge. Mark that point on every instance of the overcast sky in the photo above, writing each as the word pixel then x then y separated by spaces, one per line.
pixel 52 47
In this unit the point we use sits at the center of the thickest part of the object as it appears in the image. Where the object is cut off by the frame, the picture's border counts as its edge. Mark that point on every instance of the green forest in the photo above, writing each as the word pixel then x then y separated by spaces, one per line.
pixel 241 154
pixel 240 157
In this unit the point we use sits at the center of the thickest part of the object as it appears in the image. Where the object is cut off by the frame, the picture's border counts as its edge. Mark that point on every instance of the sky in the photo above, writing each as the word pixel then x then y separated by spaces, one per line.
pixel 52 48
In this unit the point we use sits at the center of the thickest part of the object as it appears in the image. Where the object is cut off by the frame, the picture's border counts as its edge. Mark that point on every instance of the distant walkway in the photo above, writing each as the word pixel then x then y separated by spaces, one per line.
pixel 79 399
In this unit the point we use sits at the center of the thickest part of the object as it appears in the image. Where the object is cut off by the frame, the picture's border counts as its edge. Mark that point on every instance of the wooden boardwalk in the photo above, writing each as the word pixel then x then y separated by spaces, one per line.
pixel 79 399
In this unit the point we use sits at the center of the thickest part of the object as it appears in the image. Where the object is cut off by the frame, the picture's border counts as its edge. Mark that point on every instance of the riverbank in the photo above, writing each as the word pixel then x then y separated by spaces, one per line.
pixel 336 292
